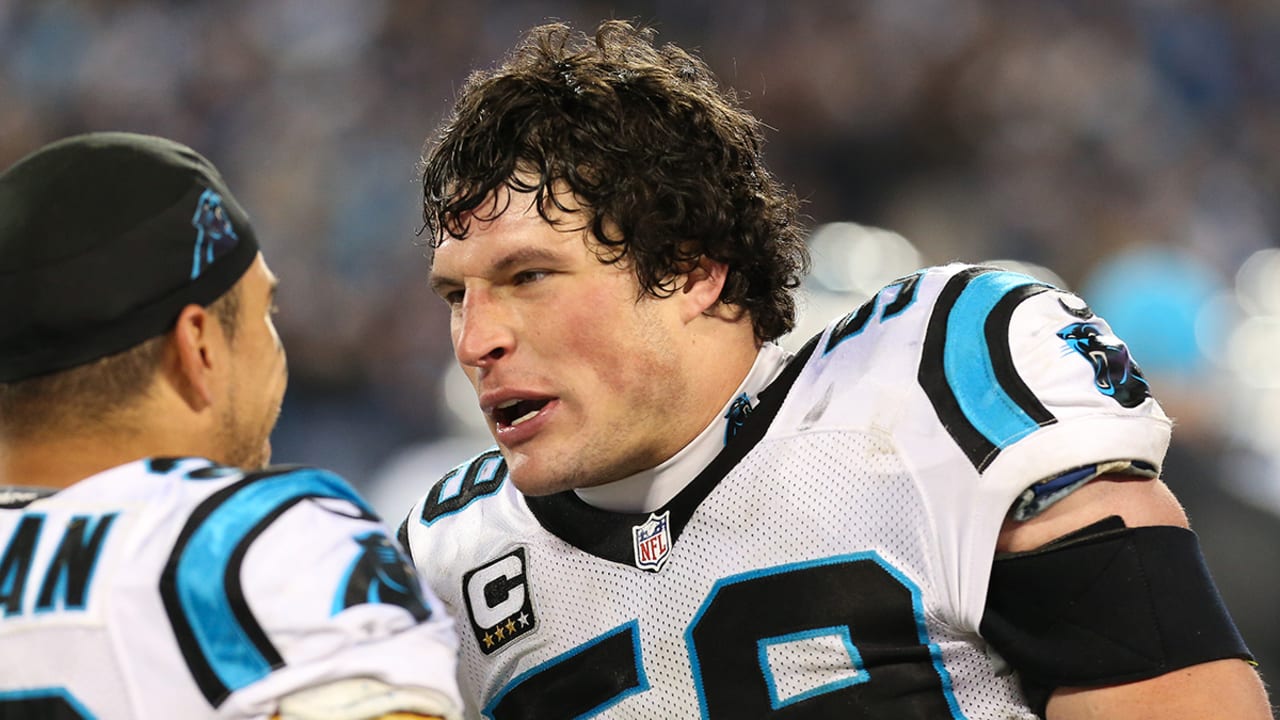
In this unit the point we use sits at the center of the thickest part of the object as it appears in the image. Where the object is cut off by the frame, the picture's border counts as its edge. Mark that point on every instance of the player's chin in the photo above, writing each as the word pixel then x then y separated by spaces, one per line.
pixel 533 478
pixel 534 487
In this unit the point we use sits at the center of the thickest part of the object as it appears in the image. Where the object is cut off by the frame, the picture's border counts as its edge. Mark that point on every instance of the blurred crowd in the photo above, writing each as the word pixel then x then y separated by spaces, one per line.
pixel 1127 149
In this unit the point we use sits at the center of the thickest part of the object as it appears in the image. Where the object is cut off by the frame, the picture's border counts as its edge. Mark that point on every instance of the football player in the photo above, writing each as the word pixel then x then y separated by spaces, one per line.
pixel 946 505
pixel 151 566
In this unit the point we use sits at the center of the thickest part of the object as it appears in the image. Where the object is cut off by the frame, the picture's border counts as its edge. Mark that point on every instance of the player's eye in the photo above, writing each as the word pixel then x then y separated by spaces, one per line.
pixel 527 276
pixel 453 297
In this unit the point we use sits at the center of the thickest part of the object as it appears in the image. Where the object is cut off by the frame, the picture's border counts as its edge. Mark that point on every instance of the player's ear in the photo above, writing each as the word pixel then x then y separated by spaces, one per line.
pixel 194 354
pixel 701 288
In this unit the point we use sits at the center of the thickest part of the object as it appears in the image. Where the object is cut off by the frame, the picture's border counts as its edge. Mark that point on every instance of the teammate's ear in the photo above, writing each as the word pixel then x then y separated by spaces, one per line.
pixel 192 356
pixel 700 291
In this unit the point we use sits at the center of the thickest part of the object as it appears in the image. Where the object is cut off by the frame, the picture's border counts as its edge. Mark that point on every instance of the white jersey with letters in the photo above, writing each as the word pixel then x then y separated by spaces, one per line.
pixel 176 588
pixel 833 560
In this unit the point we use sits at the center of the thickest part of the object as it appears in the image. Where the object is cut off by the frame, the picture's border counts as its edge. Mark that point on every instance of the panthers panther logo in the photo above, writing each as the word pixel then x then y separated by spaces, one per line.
pixel 215 235
pixel 1114 372
pixel 737 416
pixel 380 574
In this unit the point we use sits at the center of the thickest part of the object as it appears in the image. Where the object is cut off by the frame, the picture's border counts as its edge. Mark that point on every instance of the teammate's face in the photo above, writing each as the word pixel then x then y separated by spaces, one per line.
pixel 258 373
pixel 574 370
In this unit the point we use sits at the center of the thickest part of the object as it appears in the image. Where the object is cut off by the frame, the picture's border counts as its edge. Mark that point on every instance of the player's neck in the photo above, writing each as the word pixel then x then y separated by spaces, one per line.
pixel 720 352
pixel 651 489
pixel 59 461
pixel 56 464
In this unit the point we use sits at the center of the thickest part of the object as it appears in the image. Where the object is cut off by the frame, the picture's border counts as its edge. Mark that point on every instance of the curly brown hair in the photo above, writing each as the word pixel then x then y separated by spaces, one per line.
pixel 646 140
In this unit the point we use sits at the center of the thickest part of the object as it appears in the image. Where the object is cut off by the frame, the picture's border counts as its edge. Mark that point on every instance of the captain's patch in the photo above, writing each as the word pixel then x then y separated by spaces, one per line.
pixel 498 601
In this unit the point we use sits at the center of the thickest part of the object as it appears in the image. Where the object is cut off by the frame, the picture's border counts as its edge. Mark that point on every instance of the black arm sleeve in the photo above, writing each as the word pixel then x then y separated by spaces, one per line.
pixel 1106 605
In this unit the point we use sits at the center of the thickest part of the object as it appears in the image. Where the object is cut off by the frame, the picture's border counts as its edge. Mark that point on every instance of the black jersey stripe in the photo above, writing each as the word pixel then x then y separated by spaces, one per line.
pixel 997 331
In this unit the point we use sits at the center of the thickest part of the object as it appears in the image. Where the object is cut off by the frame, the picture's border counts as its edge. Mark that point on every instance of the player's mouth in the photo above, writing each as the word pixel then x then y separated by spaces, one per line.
pixel 518 418
pixel 515 412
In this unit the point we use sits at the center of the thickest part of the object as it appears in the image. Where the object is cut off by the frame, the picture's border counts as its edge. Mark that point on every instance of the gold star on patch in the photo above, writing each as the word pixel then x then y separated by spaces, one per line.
pixel 488 640
pixel 511 626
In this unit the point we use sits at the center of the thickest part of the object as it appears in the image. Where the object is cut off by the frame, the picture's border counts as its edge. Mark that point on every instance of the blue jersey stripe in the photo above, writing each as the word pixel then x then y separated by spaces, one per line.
pixel 967 361
pixel 967 367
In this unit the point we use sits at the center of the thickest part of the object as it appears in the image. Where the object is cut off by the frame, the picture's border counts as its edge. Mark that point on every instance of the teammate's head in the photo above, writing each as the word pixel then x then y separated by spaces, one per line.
pixel 666 165
pixel 130 272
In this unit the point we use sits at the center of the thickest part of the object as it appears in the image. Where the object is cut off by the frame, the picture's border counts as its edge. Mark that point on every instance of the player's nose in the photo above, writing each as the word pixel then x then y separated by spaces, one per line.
pixel 483 332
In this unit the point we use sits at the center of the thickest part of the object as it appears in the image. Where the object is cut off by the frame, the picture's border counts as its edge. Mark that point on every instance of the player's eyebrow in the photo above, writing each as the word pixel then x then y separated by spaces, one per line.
pixel 441 284
pixel 528 255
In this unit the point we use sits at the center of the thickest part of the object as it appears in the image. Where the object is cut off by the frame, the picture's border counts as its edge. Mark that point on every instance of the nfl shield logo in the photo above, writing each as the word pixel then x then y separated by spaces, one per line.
pixel 652 542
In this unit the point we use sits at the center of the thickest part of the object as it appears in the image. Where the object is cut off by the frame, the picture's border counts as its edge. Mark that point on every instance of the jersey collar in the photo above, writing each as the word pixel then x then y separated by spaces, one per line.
pixel 13 497
pixel 650 489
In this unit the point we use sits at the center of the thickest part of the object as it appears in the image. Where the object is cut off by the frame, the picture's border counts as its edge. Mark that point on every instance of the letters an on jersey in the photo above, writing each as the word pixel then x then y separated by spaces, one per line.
pixel 832 560
pixel 65 583
pixel 177 588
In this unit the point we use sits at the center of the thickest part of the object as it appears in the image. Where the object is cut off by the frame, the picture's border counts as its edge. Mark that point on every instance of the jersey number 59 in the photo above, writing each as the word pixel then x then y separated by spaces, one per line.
pixel 756 646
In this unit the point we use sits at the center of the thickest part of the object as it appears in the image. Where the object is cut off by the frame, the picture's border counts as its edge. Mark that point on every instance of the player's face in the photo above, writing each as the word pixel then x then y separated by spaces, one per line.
pixel 258 373
pixel 575 372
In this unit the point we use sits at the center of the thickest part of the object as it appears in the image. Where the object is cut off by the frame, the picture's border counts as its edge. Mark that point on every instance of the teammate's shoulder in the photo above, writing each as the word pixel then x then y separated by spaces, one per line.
pixel 212 484
pixel 288 483
pixel 199 469
pixel 228 509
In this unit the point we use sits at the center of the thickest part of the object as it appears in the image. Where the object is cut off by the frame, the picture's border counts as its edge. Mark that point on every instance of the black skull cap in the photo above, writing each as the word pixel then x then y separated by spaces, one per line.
pixel 104 238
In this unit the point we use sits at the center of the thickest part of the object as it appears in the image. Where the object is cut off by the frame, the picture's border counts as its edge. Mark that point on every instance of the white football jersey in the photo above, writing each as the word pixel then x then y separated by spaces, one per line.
pixel 833 560
pixel 176 588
